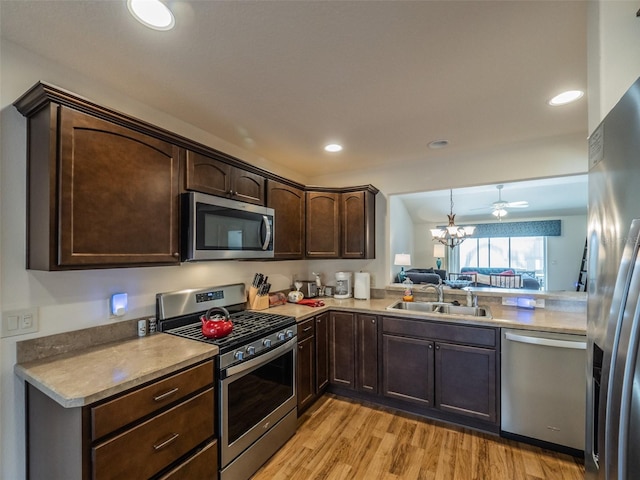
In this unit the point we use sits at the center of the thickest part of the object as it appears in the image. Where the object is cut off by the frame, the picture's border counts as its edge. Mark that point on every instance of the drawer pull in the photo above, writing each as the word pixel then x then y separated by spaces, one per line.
pixel 307 329
pixel 160 446
pixel 161 397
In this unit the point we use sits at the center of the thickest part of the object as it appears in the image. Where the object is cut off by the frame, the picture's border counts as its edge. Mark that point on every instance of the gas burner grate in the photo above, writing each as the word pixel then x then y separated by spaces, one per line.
pixel 247 326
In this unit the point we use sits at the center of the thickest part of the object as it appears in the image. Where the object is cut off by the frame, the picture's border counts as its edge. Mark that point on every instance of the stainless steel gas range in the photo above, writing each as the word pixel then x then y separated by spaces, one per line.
pixel 255 373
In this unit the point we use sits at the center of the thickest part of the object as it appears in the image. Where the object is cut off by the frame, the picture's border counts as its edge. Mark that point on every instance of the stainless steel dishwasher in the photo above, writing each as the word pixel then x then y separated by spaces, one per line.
pixel 543 387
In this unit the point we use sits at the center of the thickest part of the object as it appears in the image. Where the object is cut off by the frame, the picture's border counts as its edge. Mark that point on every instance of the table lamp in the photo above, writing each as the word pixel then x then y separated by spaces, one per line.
pixel 402 260
pixel 438 252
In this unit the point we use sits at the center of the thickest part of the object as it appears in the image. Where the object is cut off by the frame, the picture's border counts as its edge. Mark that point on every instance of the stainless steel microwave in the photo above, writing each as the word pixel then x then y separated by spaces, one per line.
pixel 216 228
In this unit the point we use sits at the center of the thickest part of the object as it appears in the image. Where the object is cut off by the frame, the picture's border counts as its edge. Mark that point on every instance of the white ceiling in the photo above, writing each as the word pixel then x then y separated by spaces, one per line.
pixel 282 78
pixel 549 197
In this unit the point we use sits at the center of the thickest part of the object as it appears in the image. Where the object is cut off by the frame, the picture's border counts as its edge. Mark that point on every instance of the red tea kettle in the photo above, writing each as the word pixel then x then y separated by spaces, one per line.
pixel 216 323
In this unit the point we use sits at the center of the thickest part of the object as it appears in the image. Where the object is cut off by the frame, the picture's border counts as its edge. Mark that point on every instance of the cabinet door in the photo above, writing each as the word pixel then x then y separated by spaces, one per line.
pixel 306 372
pixel 210 175
pixel 288 203
pixel 323 225
pixel 408 369
pixel 342 349
pixel 466 380
pixel 248 187
pixel 322 351
pixel 358 225
pixel 118 197
pixel 367 353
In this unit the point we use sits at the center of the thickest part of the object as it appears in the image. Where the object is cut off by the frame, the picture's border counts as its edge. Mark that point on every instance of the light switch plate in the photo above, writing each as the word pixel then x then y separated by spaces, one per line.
pixel 20 322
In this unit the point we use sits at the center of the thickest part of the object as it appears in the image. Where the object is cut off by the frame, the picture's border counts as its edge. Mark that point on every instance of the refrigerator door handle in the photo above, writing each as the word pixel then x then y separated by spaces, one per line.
pixel 547 342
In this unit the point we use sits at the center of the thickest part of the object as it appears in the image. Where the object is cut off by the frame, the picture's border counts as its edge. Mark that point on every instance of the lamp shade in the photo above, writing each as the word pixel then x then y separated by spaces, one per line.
pixel 438 251
pixel 402 259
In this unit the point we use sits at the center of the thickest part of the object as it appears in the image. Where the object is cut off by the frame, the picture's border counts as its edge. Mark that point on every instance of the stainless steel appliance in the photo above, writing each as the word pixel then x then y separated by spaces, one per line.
pixel 255 373
pixel 543 388
pixel 309 289
pixel 215 228
pixel 613 371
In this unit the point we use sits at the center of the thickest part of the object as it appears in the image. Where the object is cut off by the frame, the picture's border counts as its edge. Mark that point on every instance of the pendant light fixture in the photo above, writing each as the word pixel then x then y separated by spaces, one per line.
pixel 452 235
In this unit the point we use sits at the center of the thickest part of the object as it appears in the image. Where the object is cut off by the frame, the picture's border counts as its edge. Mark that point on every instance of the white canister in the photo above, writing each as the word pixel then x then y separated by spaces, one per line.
pixel 362 286
pixel 343 285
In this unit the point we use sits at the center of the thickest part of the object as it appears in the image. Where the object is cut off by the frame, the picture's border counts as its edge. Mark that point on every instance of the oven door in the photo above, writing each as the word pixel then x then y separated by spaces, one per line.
pixel 254 396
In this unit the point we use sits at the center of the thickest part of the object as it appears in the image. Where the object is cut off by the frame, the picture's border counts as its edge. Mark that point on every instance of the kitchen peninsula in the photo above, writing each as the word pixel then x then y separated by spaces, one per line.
pixel 85 384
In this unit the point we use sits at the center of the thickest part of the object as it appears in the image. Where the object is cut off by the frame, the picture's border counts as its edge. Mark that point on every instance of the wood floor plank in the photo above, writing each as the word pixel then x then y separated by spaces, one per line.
pixel 341 439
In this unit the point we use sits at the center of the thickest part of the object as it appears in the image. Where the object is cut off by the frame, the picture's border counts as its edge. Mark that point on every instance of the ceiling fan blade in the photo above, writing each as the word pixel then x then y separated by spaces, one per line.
pixel 520 204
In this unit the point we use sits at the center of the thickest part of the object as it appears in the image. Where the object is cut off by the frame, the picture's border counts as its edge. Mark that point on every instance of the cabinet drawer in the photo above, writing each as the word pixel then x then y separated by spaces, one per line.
pixel 109 417
pixel 306 329
pixel 153 445
pixel 204 464
pixel 482 336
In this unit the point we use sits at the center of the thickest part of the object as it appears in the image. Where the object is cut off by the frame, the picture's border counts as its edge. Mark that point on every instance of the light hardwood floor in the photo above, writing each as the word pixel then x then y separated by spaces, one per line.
pixel 342 439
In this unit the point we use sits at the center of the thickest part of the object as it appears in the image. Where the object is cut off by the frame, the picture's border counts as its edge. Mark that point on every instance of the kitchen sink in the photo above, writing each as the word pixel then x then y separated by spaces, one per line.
pixel 440 308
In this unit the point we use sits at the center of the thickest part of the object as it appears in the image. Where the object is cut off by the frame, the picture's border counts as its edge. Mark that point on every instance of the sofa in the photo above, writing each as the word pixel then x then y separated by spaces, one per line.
pixel 482 278
pixel 424 275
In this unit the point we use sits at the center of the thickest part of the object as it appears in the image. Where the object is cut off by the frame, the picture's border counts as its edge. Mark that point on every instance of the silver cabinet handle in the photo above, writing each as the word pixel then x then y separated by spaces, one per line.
pixel 161 397
pixel 307 329
pixel 172 438
pixel 547 342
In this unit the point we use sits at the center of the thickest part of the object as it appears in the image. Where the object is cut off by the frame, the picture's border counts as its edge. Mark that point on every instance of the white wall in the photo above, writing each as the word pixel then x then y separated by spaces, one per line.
pixel 401 236
pixel 613 43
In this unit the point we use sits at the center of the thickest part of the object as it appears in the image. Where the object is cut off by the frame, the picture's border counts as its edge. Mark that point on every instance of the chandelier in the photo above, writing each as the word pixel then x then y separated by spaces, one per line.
pixel 452 235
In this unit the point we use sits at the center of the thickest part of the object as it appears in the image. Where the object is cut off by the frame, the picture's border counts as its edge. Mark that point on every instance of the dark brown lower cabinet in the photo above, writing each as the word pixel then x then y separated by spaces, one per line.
pixel 353 347
pixel 450 368
pixel 313 360
pixel 306 364
pixel 322 351
pixel 465 380
pixel 408 369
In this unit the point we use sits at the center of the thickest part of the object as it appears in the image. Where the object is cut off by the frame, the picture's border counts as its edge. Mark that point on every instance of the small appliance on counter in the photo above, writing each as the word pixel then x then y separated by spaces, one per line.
pixel 309 288
pixel 362 286
pixel 343 285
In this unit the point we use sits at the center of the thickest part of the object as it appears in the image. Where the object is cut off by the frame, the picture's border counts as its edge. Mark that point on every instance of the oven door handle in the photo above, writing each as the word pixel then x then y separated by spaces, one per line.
pixel 267 237
pixel 264 358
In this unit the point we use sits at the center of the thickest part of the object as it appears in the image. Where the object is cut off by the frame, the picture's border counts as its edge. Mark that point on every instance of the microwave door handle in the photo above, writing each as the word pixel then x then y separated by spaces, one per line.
pixel 267 237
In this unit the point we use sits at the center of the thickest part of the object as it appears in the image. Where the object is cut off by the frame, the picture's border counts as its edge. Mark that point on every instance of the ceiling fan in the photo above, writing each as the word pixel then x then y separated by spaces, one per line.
pixel 500 207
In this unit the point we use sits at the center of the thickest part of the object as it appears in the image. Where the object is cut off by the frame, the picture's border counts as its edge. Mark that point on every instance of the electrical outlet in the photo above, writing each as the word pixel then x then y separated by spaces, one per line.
pixel 19 322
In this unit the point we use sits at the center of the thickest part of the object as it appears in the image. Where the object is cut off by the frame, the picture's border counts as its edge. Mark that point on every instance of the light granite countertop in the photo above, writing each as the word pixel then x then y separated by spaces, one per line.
pixel 540 319
pixel 83 377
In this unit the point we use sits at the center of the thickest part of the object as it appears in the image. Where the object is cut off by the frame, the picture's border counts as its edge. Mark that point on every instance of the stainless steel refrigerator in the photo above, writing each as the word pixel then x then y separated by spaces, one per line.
pixel 612 448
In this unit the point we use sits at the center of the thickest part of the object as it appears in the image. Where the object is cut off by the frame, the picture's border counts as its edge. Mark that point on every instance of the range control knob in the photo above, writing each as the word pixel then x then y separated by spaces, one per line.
pixel 238 355
pixel 266 342
pixel 289 333
pixel 281 336
pixel 251 350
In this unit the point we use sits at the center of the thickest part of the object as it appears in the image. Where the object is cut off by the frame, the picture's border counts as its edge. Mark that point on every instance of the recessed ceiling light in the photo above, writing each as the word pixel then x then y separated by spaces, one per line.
pixel 566 97
pixel 152 13
pixel 333 147
pixel 438 144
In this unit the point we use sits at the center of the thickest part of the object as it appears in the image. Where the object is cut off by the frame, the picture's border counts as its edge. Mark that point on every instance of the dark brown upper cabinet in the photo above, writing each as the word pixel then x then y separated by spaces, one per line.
pixel 210 175
pixel 101 193
pixel 358 224
pixel 323 225
pixel 289 205
pixel 340 223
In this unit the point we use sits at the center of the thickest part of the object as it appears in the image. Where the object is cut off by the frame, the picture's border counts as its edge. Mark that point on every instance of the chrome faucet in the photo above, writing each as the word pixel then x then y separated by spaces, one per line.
pixel 437 288
pixel 472 298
